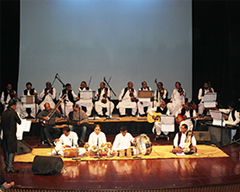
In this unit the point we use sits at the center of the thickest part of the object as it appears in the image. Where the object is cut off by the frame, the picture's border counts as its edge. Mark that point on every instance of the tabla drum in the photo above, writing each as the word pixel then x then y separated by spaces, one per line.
pixel 93 151
pixel 103 150
pixel 143 145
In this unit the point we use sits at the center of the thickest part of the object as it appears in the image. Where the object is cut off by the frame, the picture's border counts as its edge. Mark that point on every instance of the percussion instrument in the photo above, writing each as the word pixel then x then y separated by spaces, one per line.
pixel 143 145
pixel 70 153
pixel 103 150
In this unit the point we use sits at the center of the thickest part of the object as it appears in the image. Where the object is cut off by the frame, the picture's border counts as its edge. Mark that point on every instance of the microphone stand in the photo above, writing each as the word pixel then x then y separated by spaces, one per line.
pixel 110 111
pixel 77 151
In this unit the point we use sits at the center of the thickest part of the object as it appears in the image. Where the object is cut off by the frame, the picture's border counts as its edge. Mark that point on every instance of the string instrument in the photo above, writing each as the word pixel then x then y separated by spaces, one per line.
pixel 49 91
pixel 131 94
pixel 44 122
pixel 36 98
pixel 181 118
pixel 188 143
pixel 104 100
pixel 180 90
pixel 150 118
pixel 14 95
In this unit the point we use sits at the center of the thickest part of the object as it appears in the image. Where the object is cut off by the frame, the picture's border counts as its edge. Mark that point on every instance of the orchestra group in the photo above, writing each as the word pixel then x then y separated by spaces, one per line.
pixel 69 104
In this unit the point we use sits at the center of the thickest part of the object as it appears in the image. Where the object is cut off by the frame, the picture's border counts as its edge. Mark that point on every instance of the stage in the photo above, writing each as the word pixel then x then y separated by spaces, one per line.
pixel 171 174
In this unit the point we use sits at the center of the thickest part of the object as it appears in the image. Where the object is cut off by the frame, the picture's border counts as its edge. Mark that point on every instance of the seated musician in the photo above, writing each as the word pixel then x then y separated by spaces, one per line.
pixel 66 106
pixel 84 101
pixel 97 138
pixel 30 91
pixel 103 95
pixel 122 140
pixel 46 130
pixel 76 118
pixel 142 104
pixel 232 118
pixel 186 115
pixel 68 139
pixel 184 141
pixel 127 99
pixel 9 94
pixel 160 94
pixel 48 95
pixel 177 99
pixel 162 108
pixel 203 91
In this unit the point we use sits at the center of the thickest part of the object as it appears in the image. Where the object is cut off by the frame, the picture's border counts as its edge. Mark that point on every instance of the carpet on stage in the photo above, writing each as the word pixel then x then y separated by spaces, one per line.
pixel 158 152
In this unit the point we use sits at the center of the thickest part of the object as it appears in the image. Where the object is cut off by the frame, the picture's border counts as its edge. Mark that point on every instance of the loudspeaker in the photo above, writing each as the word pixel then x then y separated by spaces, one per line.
pixel 23 148
pixel 44 165
pixel 202 136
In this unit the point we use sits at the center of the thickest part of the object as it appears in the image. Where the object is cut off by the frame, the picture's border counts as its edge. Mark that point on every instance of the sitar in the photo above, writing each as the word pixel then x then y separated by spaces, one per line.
pixel 44 122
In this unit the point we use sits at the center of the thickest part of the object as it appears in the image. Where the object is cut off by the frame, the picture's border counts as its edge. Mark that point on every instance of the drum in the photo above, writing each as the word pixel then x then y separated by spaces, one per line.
pixel 70 153
pixel 143 145
pixel 103 150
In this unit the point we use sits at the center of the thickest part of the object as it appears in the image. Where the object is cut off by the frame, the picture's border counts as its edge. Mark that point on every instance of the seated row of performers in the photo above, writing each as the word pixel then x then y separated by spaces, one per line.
pixel 127 99
pixel 184 141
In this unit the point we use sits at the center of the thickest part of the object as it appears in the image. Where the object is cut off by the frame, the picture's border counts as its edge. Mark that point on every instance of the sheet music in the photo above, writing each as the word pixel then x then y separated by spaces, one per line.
pixel 86 95
pixel 25 126
pixel 217 118
pixel 168 123
pixel 210 97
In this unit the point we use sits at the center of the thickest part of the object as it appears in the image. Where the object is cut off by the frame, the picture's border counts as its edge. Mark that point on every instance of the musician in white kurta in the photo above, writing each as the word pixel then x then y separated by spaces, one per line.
pixel 144 103
pixel 68 139
pixel 69 100
pixel 233 118
pixel 127 99
pixel 177 99
pixel 160 95
pixel 203 91
pixel 85 101
pixel 103 95
pixel 48 95
pixel 97 138
pixel 28 92
pixel 122 140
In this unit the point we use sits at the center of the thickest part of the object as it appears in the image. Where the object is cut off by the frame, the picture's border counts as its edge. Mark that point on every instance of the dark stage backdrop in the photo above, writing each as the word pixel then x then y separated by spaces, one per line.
pixel 216 46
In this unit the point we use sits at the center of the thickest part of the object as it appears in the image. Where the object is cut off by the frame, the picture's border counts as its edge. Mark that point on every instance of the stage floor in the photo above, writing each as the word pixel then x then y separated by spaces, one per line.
pixel 132 174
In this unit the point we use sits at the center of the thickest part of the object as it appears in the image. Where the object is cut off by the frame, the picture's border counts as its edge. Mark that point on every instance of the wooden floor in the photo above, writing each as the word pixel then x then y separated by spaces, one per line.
pixel 133 174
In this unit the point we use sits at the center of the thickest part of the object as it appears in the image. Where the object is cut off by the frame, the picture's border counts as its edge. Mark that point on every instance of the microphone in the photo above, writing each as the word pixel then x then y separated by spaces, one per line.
pixel 56 75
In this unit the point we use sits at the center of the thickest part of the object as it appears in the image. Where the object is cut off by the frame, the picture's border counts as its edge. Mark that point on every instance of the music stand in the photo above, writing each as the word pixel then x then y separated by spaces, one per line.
pixel 28 101
pixel 168 123
pixel 217 118
pixel 209 100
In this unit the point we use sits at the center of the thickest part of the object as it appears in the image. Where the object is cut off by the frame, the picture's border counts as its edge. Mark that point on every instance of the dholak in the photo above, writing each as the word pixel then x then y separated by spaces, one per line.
pixel 143 145
pixel 70 153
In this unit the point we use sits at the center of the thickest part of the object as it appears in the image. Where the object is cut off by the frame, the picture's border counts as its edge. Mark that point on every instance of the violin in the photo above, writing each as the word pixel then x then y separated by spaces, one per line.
pixel 14 95
pixel 180 90
pixel 131 94
pixel 104 100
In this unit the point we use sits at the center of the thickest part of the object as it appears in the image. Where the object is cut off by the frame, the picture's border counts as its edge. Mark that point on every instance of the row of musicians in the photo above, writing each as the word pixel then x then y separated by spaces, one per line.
pixel 127 98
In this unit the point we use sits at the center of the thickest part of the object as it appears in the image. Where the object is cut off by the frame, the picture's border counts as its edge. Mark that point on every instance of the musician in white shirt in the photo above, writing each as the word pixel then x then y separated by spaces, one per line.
pixel 103 96
pixel 127 99
pixel 122 140
pixel 160 94
pixel 28 92
pixel 141 104
pixel 97 138
pixel 203 91
pixel 68 139
pixel 70 99
pixel 233 118
pixel 85 102
pixel 177 99
pixel 179 141
pixel 48 95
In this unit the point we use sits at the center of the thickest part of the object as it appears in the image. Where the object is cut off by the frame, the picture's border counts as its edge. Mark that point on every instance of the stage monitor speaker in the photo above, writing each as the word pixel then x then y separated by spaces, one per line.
pixel 45 165
pixel 23 148
pixel 202 136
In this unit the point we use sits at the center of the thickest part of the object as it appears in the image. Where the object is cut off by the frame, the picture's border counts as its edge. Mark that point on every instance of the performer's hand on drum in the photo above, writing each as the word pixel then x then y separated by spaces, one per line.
pixel 56 140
